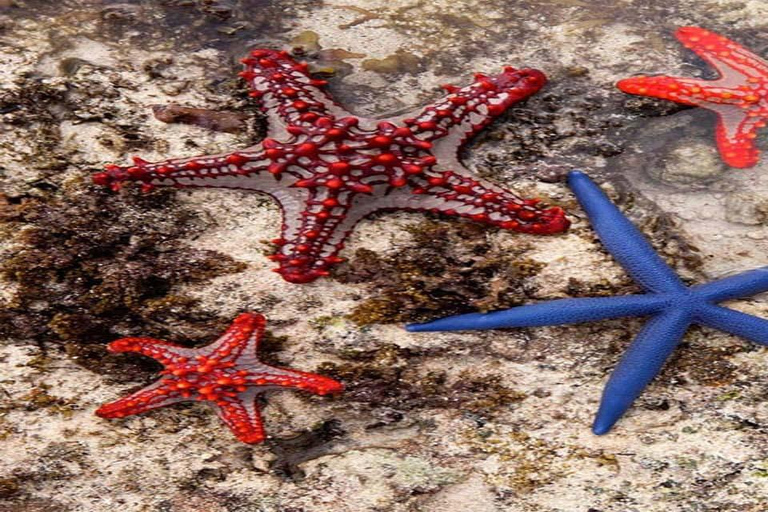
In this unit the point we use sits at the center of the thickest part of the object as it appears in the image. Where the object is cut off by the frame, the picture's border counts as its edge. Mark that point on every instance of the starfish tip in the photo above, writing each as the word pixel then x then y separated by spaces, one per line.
pixel 121 345
pixel 601 429
pixel 740 160
pixel 553 222
pixel 298 277
pixel 112 410
pixel 252 319
pixel 742 164
pixel 531 80
pixel 101 412
pixel 686 33
pixel 329 386
pixel 534 77
pixel 576 176
pixel 634 85
pixel 415 328
pixel 606 419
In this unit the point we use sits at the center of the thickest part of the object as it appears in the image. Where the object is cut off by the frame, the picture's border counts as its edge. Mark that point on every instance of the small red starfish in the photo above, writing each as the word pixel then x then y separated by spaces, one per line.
pixel 227 372
pixel 739 97
pixel 329 169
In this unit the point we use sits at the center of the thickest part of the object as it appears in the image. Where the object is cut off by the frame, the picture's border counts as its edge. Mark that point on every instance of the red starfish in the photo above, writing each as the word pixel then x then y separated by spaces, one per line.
pixel 739 97
pixel 328 169
pixel 227 372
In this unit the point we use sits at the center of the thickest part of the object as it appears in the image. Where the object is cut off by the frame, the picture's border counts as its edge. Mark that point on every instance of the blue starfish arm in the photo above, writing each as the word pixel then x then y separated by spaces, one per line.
pixel 735 322
pixel 563 311
pixel 622 239
pixel 641 363
pixel 745 284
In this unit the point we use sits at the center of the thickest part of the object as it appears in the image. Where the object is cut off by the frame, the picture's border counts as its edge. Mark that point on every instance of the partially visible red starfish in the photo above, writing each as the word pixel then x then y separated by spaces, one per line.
pixel 227 373
pixel 739 97
pixel 328 169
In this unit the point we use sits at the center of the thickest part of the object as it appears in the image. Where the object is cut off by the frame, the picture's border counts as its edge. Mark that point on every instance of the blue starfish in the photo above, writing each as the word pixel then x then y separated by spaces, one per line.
pixel 672 306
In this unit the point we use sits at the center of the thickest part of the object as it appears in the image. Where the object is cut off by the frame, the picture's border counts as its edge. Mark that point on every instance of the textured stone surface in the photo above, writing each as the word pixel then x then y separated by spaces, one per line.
pixel 492 421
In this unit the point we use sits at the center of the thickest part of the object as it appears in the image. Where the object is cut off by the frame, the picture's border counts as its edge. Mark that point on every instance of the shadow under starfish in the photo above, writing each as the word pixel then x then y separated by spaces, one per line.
pixel 672 306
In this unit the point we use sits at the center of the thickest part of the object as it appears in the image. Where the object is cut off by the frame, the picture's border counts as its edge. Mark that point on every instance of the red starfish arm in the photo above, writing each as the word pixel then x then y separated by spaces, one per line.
pixel 453 194
pixel 241 414
pixel 270 376
pixel 465 111
pixel 153 396
pixel 240 340
pixel 736 128
pixel 244 169
pixel 312 237
pixel 687 91
pixel 289 96
pixel 732 61
pixel 159 350
pixel 735 134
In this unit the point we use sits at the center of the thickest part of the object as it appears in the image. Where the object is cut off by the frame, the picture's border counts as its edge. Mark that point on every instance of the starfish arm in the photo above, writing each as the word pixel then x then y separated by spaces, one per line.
pixel 622 239
pixel 242 415
pixel 735 322
pixel 151 397
pixel 312 237
pixel 745 284
pixel 289 96
pixel 450 193
pixel 241 412
pixel 732 61
pixel 159 350
pixel 246 169
pixel 274 377
pixel 735 134
pixel 467 110
pixel 640 364
pixel 688 91
pixel 736 129
pixel 556 312
pixel 240 342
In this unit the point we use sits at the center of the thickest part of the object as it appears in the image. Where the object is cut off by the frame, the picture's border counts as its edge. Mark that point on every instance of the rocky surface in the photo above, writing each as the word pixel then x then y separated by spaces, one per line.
pixel 491 421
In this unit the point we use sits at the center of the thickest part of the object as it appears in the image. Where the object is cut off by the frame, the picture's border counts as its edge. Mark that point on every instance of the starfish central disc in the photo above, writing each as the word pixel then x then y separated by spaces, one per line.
pixel 344 159
pixel 328 169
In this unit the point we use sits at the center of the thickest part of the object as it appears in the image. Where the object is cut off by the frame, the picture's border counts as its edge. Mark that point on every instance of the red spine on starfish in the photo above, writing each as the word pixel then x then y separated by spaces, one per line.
pixel 226 373
pixel 739 97
pixel 328 169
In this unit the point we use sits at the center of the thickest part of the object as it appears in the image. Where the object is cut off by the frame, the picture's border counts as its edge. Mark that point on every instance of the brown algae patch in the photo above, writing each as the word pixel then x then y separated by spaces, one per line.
pixel 448 268
pixel 90 265
pixel 391 378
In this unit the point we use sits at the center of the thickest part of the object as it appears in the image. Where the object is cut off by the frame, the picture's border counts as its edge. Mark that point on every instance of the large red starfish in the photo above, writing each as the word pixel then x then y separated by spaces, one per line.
pixel 227 373
pixel 739 97
pixel 329 169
